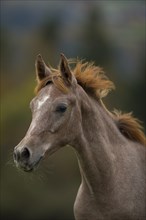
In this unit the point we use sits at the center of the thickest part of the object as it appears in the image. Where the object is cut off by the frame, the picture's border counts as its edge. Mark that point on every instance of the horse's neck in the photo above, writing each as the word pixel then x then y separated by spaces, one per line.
pixel 95 148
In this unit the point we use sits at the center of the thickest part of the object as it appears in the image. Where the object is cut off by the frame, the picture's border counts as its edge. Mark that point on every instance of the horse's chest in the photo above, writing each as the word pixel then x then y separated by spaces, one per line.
pixel 85 207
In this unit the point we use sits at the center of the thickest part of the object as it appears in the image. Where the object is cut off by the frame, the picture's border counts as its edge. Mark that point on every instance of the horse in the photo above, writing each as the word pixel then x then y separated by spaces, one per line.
pixel 110 146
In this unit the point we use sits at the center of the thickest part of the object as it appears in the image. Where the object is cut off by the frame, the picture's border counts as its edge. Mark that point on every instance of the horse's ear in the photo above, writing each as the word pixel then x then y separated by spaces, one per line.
pixel 65 70
pixel 42 70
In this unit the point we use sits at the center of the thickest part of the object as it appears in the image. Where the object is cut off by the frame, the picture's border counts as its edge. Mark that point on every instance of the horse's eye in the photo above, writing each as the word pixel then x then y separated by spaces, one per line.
pixel 48 82
pixel 61 108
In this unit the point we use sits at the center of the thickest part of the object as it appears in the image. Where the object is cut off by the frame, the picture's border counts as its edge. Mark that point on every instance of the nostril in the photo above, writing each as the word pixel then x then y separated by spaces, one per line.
pixel 25 153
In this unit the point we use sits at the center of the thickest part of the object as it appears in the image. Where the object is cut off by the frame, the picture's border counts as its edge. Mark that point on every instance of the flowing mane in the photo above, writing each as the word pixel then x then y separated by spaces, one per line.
pixel 94 81
pixel 130 127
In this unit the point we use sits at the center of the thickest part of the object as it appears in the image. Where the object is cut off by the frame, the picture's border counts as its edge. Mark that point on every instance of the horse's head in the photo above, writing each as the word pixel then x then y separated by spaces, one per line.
pixel 55 115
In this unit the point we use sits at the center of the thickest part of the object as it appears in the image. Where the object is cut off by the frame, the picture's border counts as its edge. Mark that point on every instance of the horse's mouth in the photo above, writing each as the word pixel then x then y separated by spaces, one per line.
pixel 28 167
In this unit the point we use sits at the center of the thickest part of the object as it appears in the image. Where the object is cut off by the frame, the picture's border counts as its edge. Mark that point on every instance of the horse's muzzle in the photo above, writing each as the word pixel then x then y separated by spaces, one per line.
pixel 23 159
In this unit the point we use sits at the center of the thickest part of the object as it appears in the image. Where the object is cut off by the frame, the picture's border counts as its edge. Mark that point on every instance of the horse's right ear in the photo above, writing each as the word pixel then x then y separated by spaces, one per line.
pixel 42 70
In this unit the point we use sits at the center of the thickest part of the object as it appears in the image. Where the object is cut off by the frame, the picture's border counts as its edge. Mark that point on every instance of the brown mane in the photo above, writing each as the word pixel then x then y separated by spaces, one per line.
pixel 130 127
pixel 93 80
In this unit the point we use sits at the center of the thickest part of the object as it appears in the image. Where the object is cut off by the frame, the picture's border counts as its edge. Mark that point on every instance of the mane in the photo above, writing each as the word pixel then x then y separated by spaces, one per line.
pixel 93 80
pixel 130 127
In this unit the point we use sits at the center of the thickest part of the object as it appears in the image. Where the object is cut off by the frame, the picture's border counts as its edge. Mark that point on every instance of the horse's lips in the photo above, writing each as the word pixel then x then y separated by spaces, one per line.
pixel 29 167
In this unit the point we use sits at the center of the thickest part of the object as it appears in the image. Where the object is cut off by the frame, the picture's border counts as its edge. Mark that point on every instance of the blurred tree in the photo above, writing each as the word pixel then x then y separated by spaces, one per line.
pixel 49 37
pixel 96 45
pixel 138 90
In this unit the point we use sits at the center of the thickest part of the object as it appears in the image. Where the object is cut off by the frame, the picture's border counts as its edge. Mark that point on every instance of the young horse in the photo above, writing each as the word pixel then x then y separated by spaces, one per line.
pixel 68 110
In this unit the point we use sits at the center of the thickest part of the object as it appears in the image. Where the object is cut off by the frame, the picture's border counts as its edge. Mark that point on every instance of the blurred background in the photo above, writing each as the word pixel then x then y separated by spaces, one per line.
pixel 111 33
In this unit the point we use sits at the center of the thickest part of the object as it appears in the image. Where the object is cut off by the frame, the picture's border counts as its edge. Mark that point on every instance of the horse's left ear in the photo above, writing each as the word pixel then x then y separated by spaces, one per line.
pixel 65 70
pixel 42 70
